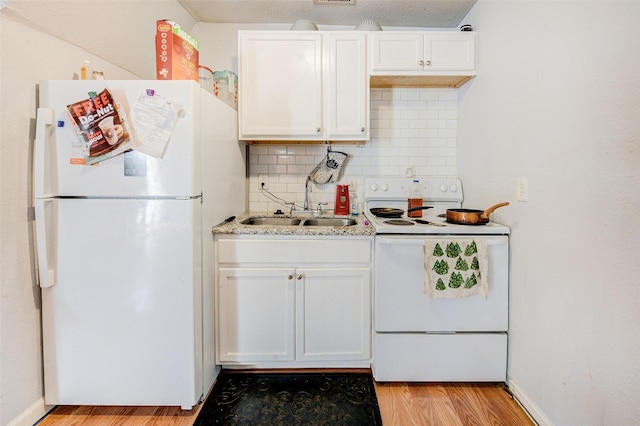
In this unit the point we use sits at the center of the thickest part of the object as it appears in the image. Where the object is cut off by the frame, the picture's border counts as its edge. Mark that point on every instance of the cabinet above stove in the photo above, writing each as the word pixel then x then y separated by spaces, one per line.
pixel 421 58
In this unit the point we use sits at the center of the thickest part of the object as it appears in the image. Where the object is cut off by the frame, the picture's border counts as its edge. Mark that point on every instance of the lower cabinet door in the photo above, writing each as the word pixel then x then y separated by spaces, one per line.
pixel 334 314
pixel 256 314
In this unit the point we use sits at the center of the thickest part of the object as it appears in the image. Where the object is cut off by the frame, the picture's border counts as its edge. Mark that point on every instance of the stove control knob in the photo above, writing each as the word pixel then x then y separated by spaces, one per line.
pixel 374 187
pixel 384 187
pixel 443 188
pixel 453 188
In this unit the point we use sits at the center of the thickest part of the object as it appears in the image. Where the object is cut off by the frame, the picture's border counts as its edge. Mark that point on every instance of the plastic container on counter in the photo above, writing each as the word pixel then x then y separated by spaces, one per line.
pixel 205 77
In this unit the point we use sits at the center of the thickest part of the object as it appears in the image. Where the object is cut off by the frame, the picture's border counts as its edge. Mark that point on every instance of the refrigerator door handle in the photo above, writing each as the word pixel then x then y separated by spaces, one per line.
pixel 44 119
pixel 45 210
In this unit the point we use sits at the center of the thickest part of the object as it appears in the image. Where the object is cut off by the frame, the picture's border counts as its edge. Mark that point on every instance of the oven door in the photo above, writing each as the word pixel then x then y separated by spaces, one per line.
pixel 401 305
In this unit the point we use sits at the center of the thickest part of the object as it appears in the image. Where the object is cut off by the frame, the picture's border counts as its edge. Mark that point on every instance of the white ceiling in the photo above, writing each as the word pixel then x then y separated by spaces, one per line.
pixel 116 36
pixel 399 13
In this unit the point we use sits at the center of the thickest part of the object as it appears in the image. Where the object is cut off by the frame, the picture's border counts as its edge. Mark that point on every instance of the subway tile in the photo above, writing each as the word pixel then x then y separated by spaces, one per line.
pixel 448 133
pixel 380 124
pixel 429 114
pixel 277 149
pixel 429 95
pixel 399 124
pixel 448 95
pixel 417 124
pixel 296 149
pixel 306 159
pixel 410 95
pixel 260 169
pixel 299 169
pixel 416 104
pixel 277 168
pixel 267 159
pixel 448 114
pixel 437 124
pixel 286 159
pixel 259 149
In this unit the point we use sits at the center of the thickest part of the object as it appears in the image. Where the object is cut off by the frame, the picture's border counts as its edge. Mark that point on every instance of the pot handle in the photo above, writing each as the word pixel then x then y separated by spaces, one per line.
pixel 485 214
pixel 413 209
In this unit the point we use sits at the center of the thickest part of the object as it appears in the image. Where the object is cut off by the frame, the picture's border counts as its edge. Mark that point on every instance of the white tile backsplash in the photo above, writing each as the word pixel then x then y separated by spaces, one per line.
pixel 411 130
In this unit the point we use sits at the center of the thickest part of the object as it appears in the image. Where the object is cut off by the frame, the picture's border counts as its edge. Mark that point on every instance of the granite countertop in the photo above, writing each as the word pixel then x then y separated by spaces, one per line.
pixel 237 227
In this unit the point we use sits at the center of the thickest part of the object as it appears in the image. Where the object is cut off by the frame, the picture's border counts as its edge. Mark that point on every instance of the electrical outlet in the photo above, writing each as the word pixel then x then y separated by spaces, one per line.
pixel 523 194
pixel 263 182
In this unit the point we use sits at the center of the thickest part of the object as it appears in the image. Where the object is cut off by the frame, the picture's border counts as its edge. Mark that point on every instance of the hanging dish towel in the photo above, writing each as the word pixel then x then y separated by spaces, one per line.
pixel 456 268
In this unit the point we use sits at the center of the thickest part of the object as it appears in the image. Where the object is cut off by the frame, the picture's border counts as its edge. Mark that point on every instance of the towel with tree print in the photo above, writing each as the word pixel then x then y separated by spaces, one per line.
pixel 455 268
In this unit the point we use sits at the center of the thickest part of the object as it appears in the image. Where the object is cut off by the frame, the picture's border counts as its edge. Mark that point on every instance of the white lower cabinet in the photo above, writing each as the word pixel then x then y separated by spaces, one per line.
pixel 256 315
pixel 294 302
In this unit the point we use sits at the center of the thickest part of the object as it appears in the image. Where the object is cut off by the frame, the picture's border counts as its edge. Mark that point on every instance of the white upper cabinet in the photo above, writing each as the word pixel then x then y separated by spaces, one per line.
pixel 347 89
pixel 302 85
pixel 449 58
pixel 280 85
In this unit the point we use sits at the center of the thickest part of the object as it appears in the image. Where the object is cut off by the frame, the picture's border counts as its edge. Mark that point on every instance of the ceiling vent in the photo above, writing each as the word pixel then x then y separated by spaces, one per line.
pixel 334 1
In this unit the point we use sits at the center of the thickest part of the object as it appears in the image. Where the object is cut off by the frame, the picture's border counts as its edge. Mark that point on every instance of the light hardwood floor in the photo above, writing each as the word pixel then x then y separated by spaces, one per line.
pixel 411 404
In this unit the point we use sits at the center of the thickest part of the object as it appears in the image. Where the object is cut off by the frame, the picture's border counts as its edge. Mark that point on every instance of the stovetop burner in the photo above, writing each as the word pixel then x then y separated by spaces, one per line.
pixel 401 222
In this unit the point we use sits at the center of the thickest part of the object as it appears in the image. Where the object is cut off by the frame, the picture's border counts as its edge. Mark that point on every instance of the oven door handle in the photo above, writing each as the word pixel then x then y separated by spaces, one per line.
pixel 420 241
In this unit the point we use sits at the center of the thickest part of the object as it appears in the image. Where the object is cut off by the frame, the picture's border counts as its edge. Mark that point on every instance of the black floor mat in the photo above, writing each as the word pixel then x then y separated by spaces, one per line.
pixel 291 399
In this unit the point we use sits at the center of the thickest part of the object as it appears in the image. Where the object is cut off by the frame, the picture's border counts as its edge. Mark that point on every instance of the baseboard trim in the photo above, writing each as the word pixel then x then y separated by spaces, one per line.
pixel 532 409
pixel 32 414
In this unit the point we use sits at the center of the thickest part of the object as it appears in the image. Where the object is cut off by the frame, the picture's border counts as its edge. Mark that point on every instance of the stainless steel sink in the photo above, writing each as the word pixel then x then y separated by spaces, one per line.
pixel 329 222
pixel 294 221
pixel 282 221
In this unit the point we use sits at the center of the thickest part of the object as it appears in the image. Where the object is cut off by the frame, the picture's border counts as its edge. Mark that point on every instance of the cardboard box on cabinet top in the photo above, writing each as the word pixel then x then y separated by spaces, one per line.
pixel 177 52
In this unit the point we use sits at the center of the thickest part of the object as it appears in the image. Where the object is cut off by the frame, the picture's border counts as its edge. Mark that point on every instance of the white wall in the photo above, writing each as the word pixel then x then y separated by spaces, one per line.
pixel 28 56
pixel 557 100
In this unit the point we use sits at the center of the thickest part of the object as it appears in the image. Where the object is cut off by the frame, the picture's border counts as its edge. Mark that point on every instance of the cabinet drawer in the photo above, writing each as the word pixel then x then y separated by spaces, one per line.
pixel 294 251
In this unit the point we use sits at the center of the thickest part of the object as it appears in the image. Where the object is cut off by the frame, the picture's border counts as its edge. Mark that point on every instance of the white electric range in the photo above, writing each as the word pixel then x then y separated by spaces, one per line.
pixel 419 337
pixel 439 193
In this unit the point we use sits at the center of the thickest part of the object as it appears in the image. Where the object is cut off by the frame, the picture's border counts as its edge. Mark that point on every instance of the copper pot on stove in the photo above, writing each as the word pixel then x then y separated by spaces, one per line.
pixel 471 216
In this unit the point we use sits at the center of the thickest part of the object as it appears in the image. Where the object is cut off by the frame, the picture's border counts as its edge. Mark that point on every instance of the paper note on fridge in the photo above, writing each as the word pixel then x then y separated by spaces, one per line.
pixel 101 126
pixel 153 119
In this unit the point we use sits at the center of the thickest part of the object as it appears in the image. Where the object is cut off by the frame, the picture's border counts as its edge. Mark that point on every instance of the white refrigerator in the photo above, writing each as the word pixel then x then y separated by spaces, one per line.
pixel 125 250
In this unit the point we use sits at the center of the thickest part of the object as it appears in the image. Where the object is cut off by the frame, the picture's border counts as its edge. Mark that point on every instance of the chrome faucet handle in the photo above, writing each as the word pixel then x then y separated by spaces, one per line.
pixel 293 207
pixel 320 206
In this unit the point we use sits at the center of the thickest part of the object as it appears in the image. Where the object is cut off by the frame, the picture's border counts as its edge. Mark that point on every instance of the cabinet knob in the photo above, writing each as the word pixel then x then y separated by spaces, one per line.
pixel 290 277
pixel 362 129
pixel 421 63
pixel 427 63
pixel 318 130
pixel 299 277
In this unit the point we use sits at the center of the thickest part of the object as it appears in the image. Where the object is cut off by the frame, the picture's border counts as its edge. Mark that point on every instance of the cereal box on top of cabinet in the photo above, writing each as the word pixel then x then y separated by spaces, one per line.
pixel 176 52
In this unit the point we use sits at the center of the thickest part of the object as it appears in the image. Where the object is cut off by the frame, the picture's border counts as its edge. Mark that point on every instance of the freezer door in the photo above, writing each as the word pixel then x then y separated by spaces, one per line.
pixel 122 323
pixel 177 173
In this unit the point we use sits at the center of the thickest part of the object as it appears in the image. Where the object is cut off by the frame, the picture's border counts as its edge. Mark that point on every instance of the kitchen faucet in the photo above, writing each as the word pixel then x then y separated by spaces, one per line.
pixel 305 207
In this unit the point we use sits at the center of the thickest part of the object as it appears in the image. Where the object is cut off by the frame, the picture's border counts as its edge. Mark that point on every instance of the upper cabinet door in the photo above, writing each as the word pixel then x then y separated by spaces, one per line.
pixel 450 52
pixel 422 53
pixel 280 90
pixel 398 51
pixel 347 87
